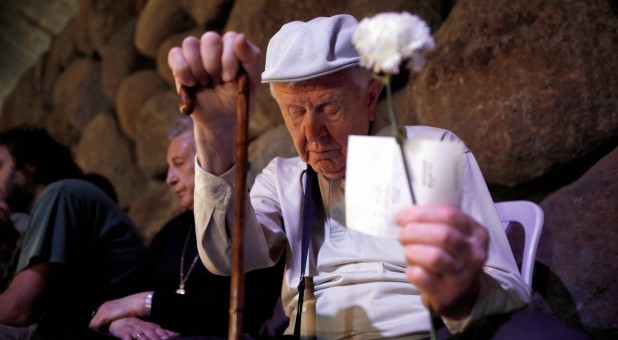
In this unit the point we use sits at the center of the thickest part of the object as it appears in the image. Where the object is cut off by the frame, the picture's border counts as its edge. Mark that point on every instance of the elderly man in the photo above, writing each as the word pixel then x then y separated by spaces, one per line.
pixel 456 261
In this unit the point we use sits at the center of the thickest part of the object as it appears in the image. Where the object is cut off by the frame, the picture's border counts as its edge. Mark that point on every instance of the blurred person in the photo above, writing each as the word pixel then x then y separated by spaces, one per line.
pixel 78 250
pixel 8 244
pixel 178 295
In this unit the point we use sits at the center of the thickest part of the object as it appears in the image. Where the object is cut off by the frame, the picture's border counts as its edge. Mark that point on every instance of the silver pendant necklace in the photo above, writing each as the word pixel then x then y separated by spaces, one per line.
pixel 183 278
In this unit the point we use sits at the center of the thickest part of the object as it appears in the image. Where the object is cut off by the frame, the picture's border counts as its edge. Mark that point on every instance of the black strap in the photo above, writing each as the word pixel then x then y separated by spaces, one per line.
pixel 309 204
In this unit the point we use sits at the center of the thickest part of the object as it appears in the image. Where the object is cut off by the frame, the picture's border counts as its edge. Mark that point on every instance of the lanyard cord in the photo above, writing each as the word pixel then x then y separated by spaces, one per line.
pixel 309 202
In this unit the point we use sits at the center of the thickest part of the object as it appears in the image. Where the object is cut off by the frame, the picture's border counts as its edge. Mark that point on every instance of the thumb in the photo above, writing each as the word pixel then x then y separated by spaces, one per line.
pixel 250 58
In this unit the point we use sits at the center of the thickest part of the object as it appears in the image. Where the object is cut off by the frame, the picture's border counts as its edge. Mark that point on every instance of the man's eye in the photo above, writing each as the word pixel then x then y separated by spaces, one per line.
pixel 295 112
pixel 332 111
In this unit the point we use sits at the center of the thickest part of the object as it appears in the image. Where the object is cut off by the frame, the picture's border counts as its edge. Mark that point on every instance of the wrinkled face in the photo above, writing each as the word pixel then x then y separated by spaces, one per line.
pixel 321 113
pixel 181 168
pixel 8 173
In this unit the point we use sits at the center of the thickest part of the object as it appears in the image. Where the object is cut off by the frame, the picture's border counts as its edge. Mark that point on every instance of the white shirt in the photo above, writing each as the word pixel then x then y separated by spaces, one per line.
pixel 359 281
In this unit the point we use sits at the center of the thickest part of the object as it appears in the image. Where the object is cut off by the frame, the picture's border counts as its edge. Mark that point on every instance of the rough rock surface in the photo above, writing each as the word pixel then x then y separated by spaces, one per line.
pixel 578 250
pixel 528 85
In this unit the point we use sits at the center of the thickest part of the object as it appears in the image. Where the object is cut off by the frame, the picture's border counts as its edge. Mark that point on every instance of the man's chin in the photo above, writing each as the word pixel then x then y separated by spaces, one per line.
pixel 187 205
pixel 334 177
pixel 338 174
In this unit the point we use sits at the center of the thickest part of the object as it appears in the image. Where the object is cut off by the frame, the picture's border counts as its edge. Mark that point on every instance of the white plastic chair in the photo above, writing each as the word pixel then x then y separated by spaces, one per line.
pixel 531 217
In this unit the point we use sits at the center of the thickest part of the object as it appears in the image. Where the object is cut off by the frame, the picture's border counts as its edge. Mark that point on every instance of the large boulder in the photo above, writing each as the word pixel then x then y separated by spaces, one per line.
pixel 158 20
pixel 134 91
pixel 578 250
pixel 119 58
pixel 528 85
pixel 77 94
pixel 104 150
pixel 154 120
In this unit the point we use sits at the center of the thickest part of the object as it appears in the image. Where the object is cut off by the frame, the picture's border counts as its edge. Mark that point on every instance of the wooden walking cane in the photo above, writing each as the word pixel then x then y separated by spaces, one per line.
pixel 186 104
pixel 237 289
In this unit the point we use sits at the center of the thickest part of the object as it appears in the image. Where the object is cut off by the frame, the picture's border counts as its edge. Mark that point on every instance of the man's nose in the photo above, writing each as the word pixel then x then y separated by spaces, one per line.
pixel 314 127
pixel 171 177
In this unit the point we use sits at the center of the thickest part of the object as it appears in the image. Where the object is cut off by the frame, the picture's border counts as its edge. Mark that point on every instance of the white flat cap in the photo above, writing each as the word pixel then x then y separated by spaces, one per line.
pixel 305 50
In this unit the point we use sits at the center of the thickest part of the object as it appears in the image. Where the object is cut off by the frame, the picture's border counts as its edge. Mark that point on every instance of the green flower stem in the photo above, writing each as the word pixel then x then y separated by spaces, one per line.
pixel 400 137
pixel 432 319
pixel 397 132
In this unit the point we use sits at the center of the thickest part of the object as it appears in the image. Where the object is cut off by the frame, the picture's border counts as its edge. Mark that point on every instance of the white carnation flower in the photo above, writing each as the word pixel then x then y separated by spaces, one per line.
pixel 385 40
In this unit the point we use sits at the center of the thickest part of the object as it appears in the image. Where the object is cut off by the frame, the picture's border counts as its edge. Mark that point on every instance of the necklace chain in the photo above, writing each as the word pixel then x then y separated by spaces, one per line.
pixel 183 278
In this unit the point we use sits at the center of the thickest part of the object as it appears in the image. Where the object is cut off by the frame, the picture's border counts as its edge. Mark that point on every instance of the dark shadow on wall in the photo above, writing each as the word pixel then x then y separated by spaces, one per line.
pixel 551 295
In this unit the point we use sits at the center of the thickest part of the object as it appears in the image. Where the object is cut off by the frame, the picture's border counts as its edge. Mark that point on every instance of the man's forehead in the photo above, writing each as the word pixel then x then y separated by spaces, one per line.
pixel 181 145
pixel 309 94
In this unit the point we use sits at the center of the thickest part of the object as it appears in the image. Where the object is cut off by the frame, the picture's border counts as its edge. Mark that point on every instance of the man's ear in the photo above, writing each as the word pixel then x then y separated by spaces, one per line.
pixel 374 89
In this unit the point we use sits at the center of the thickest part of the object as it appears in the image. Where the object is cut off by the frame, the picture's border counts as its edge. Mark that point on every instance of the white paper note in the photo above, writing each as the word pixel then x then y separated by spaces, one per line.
pixel 376 186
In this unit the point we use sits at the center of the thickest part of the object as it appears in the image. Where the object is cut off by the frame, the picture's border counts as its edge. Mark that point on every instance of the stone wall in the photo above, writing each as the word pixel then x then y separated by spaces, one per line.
pixel 530 86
